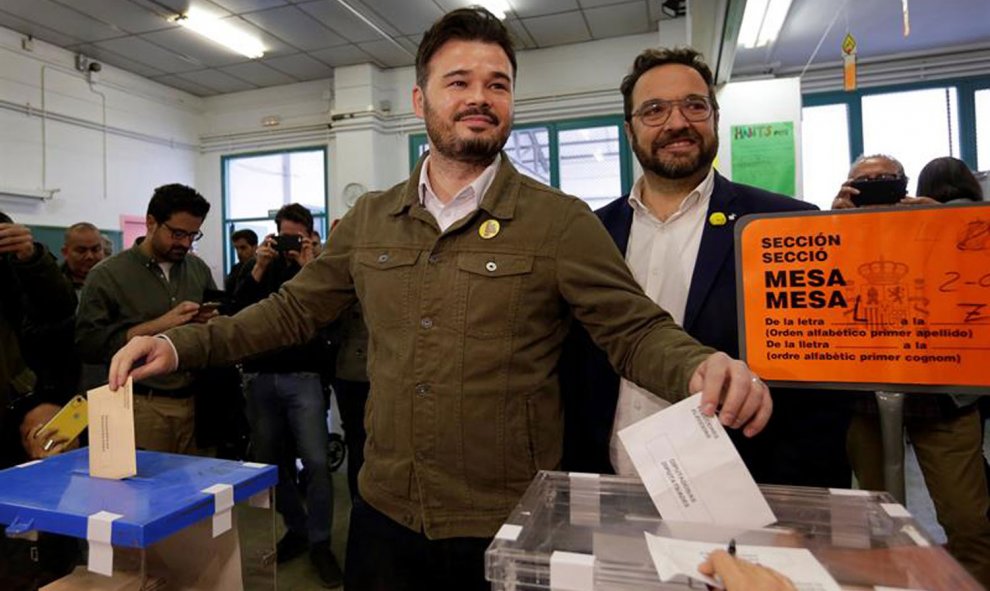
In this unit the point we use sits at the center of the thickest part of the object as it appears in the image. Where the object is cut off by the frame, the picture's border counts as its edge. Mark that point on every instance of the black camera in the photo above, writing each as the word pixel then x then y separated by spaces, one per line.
pixel 879 191
pixel 288 242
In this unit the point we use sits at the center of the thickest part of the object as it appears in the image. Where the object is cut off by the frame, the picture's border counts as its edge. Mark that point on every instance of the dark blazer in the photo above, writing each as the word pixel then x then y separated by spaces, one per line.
pixel 804 443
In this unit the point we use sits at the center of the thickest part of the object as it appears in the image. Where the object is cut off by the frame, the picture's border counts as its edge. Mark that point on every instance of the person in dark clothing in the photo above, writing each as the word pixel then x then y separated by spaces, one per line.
pixel 245 242
pixel 34 295
pixel 285 400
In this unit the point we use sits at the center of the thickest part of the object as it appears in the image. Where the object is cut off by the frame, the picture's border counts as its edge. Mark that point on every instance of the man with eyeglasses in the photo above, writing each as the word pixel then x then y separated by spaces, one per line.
pixel 676 231
pixel 146 290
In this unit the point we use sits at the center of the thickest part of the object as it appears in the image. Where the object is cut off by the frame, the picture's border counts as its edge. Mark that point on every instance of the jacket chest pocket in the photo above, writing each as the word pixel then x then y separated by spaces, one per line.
pixel 491 288
pixel 383 280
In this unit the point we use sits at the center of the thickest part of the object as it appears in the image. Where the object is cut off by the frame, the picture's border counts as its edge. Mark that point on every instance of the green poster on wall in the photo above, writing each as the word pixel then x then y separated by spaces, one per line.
pixel 763 156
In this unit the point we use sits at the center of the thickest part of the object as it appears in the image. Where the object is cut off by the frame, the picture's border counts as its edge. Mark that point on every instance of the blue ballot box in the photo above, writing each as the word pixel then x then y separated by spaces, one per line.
pixel 170 493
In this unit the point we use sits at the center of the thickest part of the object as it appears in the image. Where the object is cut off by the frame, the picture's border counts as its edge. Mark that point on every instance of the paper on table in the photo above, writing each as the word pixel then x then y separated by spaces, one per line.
pixel 112 453
pixel 691 469
pixel 676 558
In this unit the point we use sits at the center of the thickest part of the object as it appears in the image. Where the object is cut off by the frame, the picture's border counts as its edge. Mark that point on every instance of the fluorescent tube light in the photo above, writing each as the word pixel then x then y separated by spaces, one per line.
pixel 762 22
pixel 496 7
pixel 222 32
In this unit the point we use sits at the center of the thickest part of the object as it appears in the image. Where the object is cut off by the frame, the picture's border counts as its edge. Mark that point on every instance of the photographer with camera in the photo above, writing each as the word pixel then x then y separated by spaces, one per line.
pixel 285 402
pixel 944 429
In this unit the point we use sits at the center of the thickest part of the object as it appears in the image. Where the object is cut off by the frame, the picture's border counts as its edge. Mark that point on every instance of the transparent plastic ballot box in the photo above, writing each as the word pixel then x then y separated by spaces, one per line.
pixel 585 532
pixel 172 526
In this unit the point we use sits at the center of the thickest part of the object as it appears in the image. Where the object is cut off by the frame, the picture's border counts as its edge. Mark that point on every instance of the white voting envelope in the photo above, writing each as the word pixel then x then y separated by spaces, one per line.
pixel 680 558
pixel 691 469
pixel 112 453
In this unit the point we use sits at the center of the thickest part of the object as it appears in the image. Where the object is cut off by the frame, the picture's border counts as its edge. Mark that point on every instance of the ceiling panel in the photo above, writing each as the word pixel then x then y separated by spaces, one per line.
pixel 558 29
pixel 218 80
pixel 387 53
pixel 521 38
pixel 61 19
pixel 408 16
pixel 186 85
pixel 126 16
pixel 193 45
pixel 258 74
pixel 140 50
pixel 118 61
pixel 35 30
pixel 342 21
pixel 619 19
pixel 242 6
pixel 300 66
pixel 296 28
pixel 343 55
pixel 596 3
pixel 525 8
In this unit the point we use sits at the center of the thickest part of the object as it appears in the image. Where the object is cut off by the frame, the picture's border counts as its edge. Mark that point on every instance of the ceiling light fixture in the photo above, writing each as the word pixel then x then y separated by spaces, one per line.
pixel 762 22
pixel 220 31
pixel 496 7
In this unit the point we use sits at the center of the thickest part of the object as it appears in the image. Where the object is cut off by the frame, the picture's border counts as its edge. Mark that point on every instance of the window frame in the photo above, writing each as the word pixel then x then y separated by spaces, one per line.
pixel 966 88
pixel 320 222
pixel 553 131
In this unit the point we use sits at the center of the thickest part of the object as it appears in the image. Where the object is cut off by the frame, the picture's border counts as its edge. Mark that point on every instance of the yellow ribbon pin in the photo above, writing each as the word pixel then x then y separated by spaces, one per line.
pixel 717 219
pixel 489 229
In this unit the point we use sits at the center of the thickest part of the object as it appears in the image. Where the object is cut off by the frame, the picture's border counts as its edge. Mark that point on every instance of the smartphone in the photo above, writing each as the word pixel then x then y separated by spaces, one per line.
pixel 879 192
pixel 288 242
pixel 208 307
pixel 70 421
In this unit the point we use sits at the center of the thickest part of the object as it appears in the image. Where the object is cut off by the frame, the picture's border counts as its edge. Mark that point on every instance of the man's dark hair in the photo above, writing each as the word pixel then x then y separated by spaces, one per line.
pixel 171 199
pixel 654 58
pixel 294 213
pixel 464 24
pixel 948 179
pixel 245 234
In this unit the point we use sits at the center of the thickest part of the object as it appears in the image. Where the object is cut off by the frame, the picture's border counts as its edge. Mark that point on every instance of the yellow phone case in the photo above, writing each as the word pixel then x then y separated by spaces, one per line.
pixel 70 420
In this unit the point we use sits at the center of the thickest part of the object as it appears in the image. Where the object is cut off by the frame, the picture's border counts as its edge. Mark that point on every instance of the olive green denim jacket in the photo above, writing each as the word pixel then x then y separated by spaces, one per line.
pixel 465 331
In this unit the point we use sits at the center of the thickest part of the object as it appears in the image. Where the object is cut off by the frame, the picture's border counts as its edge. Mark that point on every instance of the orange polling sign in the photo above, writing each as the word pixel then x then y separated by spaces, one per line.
pixel 895 298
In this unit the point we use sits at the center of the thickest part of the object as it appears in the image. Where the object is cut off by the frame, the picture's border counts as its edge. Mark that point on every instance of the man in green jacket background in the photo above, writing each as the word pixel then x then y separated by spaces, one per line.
pixel 468 274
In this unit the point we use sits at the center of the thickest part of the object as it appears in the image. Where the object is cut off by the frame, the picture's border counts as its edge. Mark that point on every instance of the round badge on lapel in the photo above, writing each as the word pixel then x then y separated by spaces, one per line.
pixel 717 219
pixel 489 229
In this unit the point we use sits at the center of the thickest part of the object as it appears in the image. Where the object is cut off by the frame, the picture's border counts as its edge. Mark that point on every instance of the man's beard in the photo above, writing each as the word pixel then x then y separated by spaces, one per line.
pixel 478 150
pixel 676 168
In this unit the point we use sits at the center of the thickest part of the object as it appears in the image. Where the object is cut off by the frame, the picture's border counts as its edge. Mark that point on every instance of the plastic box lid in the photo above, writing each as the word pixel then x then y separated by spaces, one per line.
pixel 864 539
pixel 57 494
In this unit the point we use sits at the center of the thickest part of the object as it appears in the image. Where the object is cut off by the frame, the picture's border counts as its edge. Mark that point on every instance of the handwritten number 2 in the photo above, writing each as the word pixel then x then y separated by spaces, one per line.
pixel 953 277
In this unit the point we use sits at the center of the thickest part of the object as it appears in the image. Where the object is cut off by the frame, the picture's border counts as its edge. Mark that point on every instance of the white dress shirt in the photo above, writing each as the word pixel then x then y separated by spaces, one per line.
pixel 661 256
pixel 464 202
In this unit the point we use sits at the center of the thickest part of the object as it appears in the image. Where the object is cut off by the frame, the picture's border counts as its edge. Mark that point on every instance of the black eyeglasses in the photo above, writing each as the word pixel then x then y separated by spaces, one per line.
pixel 655 113
pixel 182 234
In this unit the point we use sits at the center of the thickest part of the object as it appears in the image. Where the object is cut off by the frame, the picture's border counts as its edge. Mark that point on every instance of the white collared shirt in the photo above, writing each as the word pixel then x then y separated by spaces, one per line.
pixel 661 256
pixel 464 202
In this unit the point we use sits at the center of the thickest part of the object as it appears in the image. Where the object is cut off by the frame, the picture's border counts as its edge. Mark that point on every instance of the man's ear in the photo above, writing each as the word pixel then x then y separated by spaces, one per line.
pixel 150 224
pixel 418 99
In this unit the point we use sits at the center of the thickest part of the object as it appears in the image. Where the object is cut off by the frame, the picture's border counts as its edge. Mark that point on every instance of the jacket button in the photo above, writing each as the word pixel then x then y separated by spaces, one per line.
pixel 422 389
pixel 383 258
pixel 434 259
pixel 491 266
pixel 426 323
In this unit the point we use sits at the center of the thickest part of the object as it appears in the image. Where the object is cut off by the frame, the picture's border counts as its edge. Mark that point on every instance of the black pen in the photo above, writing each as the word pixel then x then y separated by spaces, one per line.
pixel 732 547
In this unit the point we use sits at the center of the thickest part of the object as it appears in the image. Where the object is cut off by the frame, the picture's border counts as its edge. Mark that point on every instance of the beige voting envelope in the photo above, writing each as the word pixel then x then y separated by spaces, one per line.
pixel 111 432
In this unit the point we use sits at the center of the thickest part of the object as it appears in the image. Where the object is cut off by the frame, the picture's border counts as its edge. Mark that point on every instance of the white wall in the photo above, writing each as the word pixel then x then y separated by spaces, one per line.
pixel 152 137
pixel 370 147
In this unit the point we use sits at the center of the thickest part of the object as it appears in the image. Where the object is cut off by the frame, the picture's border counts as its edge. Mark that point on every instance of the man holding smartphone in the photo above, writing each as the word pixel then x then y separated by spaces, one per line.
pixel 144 290
pixel 285 400
pixel 944 429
